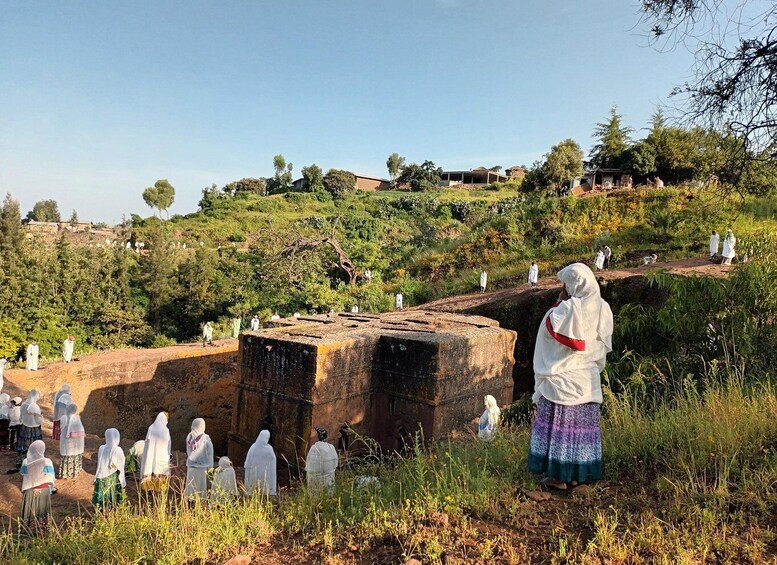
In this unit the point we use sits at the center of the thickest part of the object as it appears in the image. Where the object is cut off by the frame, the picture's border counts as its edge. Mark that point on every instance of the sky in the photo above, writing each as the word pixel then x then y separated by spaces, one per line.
pixel 99 99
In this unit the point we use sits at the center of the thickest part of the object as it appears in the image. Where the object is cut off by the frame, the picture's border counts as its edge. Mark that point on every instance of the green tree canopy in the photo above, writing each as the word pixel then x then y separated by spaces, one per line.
pixel 425 176
pixel 160 196
pixel 563 163
pixel 11 235
pixel 312 178
pixel 613 138
pixel 258 185
pixel 282 179
pixel 339 183
pixel 394 164
pixel 45 211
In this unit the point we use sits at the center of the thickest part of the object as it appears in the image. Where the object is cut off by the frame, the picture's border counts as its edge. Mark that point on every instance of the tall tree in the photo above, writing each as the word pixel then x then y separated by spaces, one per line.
pixel 339 183
pixel 563 163
pixel 45 211
pixel 395 163
pixel 613 138
pixel 160 196
pixel 282 179
pixel 73 218
pixel 312 178
pixel 11 235
pixel 425 176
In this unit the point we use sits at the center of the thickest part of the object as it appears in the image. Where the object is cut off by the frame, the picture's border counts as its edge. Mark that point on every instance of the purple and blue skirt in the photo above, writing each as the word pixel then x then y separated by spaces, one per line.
pixel 566 442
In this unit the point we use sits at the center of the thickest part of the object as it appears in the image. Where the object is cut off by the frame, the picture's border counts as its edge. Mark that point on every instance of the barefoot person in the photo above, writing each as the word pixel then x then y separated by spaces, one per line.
pixel 572 344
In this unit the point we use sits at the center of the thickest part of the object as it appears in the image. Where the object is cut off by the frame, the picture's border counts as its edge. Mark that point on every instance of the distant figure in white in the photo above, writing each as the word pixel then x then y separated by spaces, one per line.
pixel 599 260
pixel 275 317
pixel 260 467
pixel 223 489
pixel 483 281
pixel 714 244
pixel 199 459
pixel 156 453
pixel 398 299
pixel 3 361
pixel 650 259
pixel 31 361
pixel 321 464
pixel 490 419
pixel 254 323
pixel 368 275
pixel 61 401
pixel 354 310
pixel 297 314
pixel 534 274
pixel 207 334
pixel 729 247
pixel 68 346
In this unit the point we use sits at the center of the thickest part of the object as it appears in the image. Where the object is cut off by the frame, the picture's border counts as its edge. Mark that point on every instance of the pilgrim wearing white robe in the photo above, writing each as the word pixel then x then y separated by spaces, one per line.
pixel 599 260
pixel 68 346
pixel 714 244
pixel 398 300
pixel 157 450
pixel 3 361
pixel 729 248
pixel 207 333
pixel 37 483
pixel 483 281
pixel 61 403
pixel 109 480
pixel 320 466
pixel 223 489
pixel 71 444
pixel 275 317
pixel 31 361
pixel 254 323
pixel 354 310
pixel 260 466
pixel 199 451
pixel 489 420
pixel 534 273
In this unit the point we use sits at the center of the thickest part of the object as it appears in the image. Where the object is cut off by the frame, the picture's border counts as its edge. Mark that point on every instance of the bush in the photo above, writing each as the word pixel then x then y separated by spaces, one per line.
pixel 161 340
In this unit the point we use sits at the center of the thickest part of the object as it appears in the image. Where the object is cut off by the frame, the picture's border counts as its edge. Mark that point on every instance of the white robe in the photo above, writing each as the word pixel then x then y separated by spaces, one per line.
pixel 71 439
pixel 254 324
pixel 489 420
pixel 61 403
pixel 398 301
pixel 3 361
pixel 110 457
pixel 157 450
pixel 223 489
pixel 320 466
pixel 67 350
pixel 729 245
pixel 207 333
pixel 573 341
pixel 260 466
pixel 199 451
pixel 31 361
pixel 483 279
pixel 534 273
pixel 599 260
pixel 714 244
pixel 36 469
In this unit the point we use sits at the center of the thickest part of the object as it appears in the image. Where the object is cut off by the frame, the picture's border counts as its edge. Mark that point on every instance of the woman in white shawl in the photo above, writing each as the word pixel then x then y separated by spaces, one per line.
pixel 109 480
pixel 5 421
pixel 155 465
pixel 260 466
pixel 37 484
pixel 61 400
pixel 321 464
pixel 71 444
pixel 3 362
pixel 714 244
pixel 489 420
pixel 572 345
pixel 31 359
pixel 199 451
pixel 31 422
pixel 729 248
pixel 223 489
pixel 599 260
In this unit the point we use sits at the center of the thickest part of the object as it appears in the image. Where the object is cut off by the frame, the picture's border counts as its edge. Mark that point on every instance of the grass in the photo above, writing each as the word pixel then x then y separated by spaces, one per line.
pixel 692 479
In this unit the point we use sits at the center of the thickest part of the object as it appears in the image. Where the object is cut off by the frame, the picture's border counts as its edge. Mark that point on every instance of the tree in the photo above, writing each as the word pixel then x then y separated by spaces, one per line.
pixel 73 219
pixel 339 183
pixel 211 195
pixel 640 159
pixel 421 177
pixel 246 185
pixel 395 163
pixel 563 163
pixel 312 178
pixel 281 181
pixel 613 140
pixel 160 196
pixel 45 211
pixel 11 235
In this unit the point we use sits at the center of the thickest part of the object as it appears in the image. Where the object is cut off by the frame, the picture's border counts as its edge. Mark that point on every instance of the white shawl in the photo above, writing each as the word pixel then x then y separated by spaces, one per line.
pixel 61 403
pixel 199 448
pixel 483 278
pixel 110 457
pixel 321 465
pixel 30 411
pixel 71 439
pixel 157 450
pixel 36 469
pixel 573 341
pixel 534 272
pixel 224 485
pixel 4 408
pixel 729 245
pixel 260 466
pixel 64 389
pixel 714 244
pixel 489 419
pixel 398 299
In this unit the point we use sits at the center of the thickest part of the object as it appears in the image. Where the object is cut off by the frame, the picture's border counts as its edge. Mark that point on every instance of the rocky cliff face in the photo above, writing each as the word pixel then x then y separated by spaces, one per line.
pixel 125 389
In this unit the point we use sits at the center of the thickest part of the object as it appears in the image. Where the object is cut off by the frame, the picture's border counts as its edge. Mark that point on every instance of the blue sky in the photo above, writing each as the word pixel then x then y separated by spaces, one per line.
pixel 99 99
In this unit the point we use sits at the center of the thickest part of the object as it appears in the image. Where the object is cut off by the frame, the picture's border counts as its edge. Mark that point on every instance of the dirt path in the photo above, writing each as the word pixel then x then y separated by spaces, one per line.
pixel 689 267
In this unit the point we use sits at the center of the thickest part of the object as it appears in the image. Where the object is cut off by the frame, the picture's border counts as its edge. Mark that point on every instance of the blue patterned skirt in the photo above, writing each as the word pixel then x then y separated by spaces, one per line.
pixel 26 437
pixel 566 442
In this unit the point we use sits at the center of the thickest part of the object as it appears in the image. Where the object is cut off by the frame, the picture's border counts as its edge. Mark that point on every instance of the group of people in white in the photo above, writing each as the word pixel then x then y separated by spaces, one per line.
pixel 32 354
pixel 729 247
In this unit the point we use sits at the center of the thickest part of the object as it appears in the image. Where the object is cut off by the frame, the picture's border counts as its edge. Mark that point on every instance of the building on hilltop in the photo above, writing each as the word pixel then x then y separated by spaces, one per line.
pixel 600 179
pixel 480 176
pixel 363 182
pixel 386 376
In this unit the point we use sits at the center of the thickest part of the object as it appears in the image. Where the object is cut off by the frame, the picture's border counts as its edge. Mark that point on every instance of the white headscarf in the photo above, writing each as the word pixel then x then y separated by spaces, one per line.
pixel 30 411
pixel 4 400
pixel 71 439
pixel 199 448
pixel 110 457
pixel 224 485
pixel 490 418
pixel 158 449
pixel 260 466
pixel 320 466
pixel 60 405
pixel 36 469
pixel 64 389
pixel 573 341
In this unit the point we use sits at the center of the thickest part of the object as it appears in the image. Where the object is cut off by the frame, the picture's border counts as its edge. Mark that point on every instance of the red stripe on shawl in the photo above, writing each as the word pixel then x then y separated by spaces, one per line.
pixel 576 344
